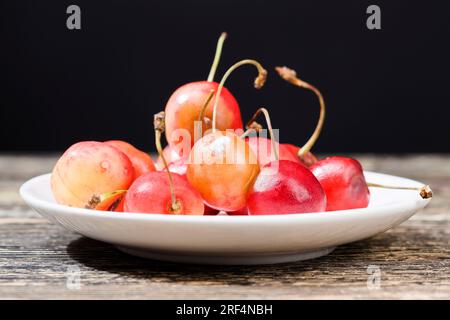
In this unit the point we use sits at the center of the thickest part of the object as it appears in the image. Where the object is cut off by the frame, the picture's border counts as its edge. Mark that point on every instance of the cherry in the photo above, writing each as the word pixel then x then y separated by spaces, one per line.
pixel 284 187
pixel 186 103
pixel 88 169
pixel 142 162
pixel 151 193
pixel 163 192
pixel 344 183
pixel 222 168
pixel 304 152
pixel 221 165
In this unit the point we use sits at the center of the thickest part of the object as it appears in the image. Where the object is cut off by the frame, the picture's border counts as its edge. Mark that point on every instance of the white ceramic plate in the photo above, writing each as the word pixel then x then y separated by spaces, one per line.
pixel 231 240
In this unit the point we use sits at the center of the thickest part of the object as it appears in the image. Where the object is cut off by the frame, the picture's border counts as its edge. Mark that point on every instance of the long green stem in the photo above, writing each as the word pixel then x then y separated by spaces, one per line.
pixel 291 76
pixel 212 71
pixel 258 83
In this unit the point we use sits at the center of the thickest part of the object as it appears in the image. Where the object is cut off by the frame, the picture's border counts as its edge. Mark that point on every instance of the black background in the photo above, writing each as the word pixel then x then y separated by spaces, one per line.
pixel 386 90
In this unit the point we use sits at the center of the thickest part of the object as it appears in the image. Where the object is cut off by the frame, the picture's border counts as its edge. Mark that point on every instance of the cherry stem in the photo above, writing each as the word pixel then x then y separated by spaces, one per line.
pixel 258 83
pixel 425 191
pixel 291 76
pixel 159 125
pixel 201 116
pixel 205 105
pixel 251 123
pixel 250 128
pixel 212 71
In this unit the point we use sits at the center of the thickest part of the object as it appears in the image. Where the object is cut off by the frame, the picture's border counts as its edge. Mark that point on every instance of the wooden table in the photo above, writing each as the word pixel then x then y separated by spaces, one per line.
pixel 44 261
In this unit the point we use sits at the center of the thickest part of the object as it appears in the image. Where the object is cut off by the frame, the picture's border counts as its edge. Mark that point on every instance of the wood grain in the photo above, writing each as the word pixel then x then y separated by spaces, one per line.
pixel 38 258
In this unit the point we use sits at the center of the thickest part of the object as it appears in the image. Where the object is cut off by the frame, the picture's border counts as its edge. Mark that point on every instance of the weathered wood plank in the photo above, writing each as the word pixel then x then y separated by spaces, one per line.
pixel 37 258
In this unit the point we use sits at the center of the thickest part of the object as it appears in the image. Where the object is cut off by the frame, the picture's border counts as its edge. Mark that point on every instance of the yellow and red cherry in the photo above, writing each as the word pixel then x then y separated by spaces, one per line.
pixel 142 162
pixel 285 187
pixel 186 103
pixel 222 167
pixel 89 169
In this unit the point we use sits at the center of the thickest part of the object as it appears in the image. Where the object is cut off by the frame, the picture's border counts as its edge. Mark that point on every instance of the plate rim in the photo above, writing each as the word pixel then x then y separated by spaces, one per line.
pixel 33 201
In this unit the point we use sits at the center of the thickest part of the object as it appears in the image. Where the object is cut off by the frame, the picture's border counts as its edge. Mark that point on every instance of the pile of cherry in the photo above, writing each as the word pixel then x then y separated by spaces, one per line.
pixel 243 173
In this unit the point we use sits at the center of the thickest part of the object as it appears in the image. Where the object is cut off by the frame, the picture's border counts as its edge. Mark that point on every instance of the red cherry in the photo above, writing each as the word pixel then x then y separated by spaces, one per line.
pixel 343 181
pixel 142 162
pixel 284 187
pixel 151 193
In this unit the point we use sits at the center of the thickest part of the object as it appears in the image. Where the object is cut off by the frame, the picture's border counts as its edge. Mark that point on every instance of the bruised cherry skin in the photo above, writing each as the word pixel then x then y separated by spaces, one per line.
pixel 185 106
pixel 262 147
pixel 142 162
pixel 151 193
pixel 343 181
pixel 222 167
pixel 284 187
pixel 308 159
pixel 89 169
